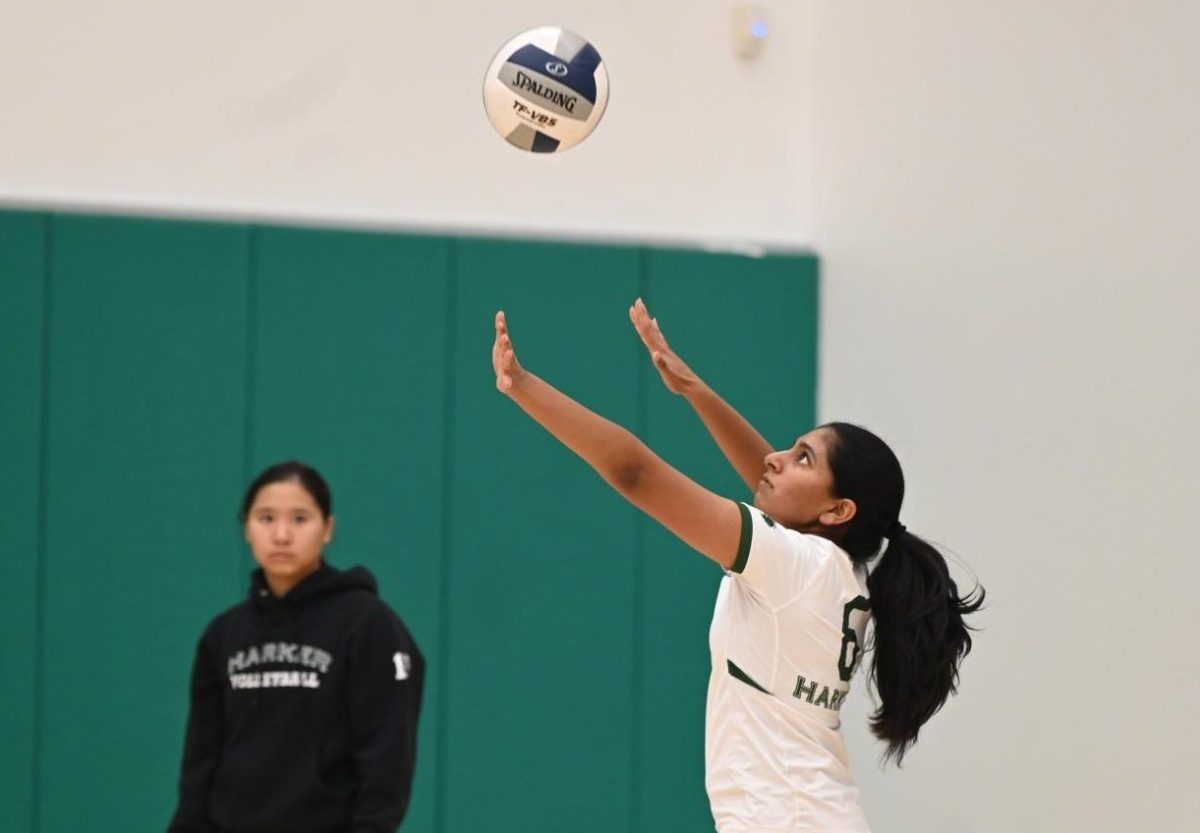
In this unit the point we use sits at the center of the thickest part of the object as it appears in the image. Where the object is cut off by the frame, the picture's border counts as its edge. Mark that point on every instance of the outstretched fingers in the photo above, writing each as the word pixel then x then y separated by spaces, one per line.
pixel 504 358
pixel 647 328
pixel 675 373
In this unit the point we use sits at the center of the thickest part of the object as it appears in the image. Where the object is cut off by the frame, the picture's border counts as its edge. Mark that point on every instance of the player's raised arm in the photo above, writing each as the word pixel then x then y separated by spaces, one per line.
pixel 705 521
pixel 742 445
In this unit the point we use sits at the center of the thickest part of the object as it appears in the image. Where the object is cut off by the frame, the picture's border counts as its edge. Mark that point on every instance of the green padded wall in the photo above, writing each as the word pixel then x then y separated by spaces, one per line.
pixel 145 437
pixel 22 331
pixel 154 366
pixel 540 667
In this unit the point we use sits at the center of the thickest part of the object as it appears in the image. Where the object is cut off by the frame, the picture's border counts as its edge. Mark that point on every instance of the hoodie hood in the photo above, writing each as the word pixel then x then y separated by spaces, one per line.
pixel 326 580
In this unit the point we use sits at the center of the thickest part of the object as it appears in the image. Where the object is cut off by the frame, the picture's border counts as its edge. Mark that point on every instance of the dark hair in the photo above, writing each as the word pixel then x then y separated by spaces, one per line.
pixel 290 470
pixel 920 636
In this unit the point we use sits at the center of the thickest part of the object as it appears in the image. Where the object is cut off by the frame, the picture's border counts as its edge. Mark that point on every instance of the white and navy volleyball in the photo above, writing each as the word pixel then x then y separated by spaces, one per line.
pixel 546 90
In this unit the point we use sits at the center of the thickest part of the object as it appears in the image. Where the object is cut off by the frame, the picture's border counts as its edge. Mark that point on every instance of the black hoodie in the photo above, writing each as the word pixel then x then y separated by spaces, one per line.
pixel 303 713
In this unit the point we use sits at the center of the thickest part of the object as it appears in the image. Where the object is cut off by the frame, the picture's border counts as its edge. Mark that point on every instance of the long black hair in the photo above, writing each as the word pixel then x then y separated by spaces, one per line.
pixel 290 470
pixel 920 636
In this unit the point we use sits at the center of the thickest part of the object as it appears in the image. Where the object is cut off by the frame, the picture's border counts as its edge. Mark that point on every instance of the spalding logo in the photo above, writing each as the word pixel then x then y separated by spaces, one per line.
pixel 556 68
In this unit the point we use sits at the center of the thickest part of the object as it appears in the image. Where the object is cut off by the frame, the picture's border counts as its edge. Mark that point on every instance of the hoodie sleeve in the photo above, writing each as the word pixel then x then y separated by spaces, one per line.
pixel 387 676
pixel 202 745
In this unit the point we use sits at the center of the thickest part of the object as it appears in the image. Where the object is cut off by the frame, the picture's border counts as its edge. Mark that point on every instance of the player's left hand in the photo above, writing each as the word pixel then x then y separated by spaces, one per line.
pixel 504 357
pixel 676 375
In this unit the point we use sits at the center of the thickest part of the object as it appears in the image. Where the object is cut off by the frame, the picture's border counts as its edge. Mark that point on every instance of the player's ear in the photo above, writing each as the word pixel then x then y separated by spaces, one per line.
pixel 842 511
pixel 329 528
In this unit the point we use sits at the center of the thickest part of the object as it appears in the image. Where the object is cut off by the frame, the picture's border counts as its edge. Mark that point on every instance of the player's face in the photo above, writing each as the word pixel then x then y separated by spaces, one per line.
pixel 797 487
pixel 286 533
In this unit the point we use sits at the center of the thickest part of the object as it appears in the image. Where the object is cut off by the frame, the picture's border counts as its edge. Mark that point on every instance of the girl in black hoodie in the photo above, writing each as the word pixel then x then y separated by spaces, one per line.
pixel 304 697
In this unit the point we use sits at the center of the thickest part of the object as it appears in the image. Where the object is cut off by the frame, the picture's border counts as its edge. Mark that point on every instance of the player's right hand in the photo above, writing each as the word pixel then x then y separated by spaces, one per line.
pixel 676 375
pixel 504 357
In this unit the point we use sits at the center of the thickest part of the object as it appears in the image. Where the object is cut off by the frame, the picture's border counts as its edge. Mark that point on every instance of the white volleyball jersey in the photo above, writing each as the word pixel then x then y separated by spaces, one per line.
pixel 786 636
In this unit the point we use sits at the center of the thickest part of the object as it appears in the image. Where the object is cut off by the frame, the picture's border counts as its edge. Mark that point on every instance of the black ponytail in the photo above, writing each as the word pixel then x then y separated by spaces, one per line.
pixel 920 634
pixel 920 639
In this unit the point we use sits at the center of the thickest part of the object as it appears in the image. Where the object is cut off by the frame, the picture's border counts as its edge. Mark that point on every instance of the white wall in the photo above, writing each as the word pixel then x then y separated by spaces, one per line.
pixel 1005 200
pixel 1004 197
pixel 374 113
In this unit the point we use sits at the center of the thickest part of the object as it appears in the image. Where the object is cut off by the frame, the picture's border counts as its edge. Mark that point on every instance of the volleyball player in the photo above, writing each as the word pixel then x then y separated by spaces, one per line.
pixel 818 552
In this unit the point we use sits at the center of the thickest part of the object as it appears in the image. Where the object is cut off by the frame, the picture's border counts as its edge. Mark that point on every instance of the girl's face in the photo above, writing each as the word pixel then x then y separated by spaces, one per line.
pixel 797 487
pixel 286 532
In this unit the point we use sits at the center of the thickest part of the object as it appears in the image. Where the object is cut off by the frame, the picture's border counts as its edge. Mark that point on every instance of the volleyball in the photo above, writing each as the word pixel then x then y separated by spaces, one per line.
pixel 546 90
